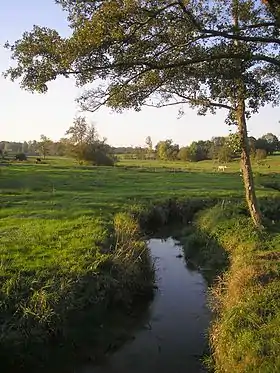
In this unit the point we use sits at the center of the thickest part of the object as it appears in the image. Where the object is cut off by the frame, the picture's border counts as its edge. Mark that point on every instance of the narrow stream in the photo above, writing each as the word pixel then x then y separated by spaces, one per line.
pixel 174 340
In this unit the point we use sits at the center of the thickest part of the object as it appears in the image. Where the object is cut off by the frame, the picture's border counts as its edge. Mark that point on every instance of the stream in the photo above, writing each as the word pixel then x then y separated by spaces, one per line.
pixel 174 338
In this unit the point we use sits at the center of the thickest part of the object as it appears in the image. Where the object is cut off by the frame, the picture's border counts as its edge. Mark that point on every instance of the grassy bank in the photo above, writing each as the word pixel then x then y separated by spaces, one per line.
pixel 73 300
pixel 63 251
pixel 246 299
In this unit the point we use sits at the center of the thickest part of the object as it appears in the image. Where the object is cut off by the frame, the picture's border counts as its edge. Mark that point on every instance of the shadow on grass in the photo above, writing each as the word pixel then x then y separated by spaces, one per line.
pixel 85 326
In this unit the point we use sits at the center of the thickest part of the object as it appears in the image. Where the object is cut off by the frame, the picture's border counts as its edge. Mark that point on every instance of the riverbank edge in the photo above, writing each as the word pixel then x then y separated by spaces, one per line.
pixel 245 299
pixel 50 316
pixel 126 276
pixel 53 326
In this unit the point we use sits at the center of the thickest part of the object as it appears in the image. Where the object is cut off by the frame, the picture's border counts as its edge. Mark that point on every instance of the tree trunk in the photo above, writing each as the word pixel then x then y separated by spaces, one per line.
pixel 247 167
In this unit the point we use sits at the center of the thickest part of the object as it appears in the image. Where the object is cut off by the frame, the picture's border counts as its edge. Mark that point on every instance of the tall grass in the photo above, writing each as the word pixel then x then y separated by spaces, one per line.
pixel 246 300
pixel 52 299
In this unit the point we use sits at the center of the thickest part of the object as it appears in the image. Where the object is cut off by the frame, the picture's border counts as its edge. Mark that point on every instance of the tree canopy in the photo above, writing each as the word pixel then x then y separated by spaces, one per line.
pixel 156 53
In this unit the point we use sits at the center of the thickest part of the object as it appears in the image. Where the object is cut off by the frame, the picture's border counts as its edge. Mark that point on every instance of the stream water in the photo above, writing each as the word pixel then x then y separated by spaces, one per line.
pixel 174 338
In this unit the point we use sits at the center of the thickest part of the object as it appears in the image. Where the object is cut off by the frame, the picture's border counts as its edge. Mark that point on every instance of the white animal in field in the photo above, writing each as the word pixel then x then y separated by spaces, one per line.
pixel 222 168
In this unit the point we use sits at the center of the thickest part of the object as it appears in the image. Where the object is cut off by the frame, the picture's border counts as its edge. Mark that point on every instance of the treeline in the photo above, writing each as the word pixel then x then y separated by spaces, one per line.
pixel 82 142
pixel 33 148
pixel 222 149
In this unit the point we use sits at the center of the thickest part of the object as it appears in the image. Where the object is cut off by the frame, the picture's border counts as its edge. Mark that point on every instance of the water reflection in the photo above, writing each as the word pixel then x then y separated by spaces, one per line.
pixel 174 339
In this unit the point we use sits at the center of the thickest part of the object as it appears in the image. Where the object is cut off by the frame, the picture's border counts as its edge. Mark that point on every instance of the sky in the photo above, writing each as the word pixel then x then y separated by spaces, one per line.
pixel 25 116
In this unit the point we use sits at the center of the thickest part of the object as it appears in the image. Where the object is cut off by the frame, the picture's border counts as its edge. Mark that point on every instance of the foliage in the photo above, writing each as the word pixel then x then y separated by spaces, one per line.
pixel 44 145
pixel 149 143
pixel 224 154
pixel 223 149
pixel 21 157
pixel 85 145
pixel 199 151
pixel 150 151
pixel 184 153
pixel 260 154
pixel 133 66
pixel 245 301
pixel 166 150
pixel 272 143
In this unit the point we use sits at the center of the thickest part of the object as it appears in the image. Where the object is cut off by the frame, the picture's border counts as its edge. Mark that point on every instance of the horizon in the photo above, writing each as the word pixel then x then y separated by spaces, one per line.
pixel 144 145
pixel 24 115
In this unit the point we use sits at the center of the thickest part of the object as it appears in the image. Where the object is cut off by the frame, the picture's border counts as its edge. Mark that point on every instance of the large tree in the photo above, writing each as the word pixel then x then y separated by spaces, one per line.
pixel 44 145
pixel 210 55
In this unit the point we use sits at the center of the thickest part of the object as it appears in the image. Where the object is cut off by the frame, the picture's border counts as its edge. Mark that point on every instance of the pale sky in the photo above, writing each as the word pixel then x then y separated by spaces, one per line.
pixel 25 116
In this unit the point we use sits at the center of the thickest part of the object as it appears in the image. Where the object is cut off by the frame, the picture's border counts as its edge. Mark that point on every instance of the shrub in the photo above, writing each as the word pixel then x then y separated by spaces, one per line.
pixel 21 157
pixel 260 154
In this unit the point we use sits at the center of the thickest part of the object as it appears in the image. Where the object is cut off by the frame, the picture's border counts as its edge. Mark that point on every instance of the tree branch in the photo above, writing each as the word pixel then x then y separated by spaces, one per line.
pixel 254 39
pixel 193 100
pixel 189 62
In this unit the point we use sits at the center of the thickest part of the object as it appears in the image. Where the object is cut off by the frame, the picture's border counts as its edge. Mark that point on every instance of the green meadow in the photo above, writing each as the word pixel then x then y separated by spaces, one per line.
pixel 58 229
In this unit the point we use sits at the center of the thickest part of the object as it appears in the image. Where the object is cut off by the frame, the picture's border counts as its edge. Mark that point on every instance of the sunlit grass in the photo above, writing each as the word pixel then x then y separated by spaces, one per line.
pixel 56 226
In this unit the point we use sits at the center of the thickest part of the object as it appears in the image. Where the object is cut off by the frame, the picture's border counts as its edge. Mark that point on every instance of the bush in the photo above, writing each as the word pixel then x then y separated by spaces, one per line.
pixel 260 154
pixel 97 154
pixel 102 159
pixel 21 157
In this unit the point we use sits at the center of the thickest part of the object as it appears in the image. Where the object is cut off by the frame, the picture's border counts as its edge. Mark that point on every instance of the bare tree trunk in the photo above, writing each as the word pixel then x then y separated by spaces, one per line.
pixel 247 167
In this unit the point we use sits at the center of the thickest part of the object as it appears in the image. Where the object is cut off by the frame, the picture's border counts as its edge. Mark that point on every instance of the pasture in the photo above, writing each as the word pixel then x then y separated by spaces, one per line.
pixel 56 224
pixel 50 212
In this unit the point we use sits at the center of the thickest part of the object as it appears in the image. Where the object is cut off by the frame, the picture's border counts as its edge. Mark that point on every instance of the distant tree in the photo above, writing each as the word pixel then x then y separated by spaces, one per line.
pixel 149 143
pixel 139 153
pixel 225 154
pixel 86 146
pixel 33 147
pixel 262 144
pixel 63 147
pixel 98 154
pixel 216 144
pixel 173 152
pixel 44 145
pixel 6 147
pixel 272 143
pixel 166 150
pixel 199 150
pixel 24 147
pixel 162 150
pixel 260 154
pixel 194 152
pixel 184 154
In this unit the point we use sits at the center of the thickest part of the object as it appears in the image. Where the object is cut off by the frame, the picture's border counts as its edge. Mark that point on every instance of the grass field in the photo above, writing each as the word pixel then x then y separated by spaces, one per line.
pixel 57 224
pixel 265 166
